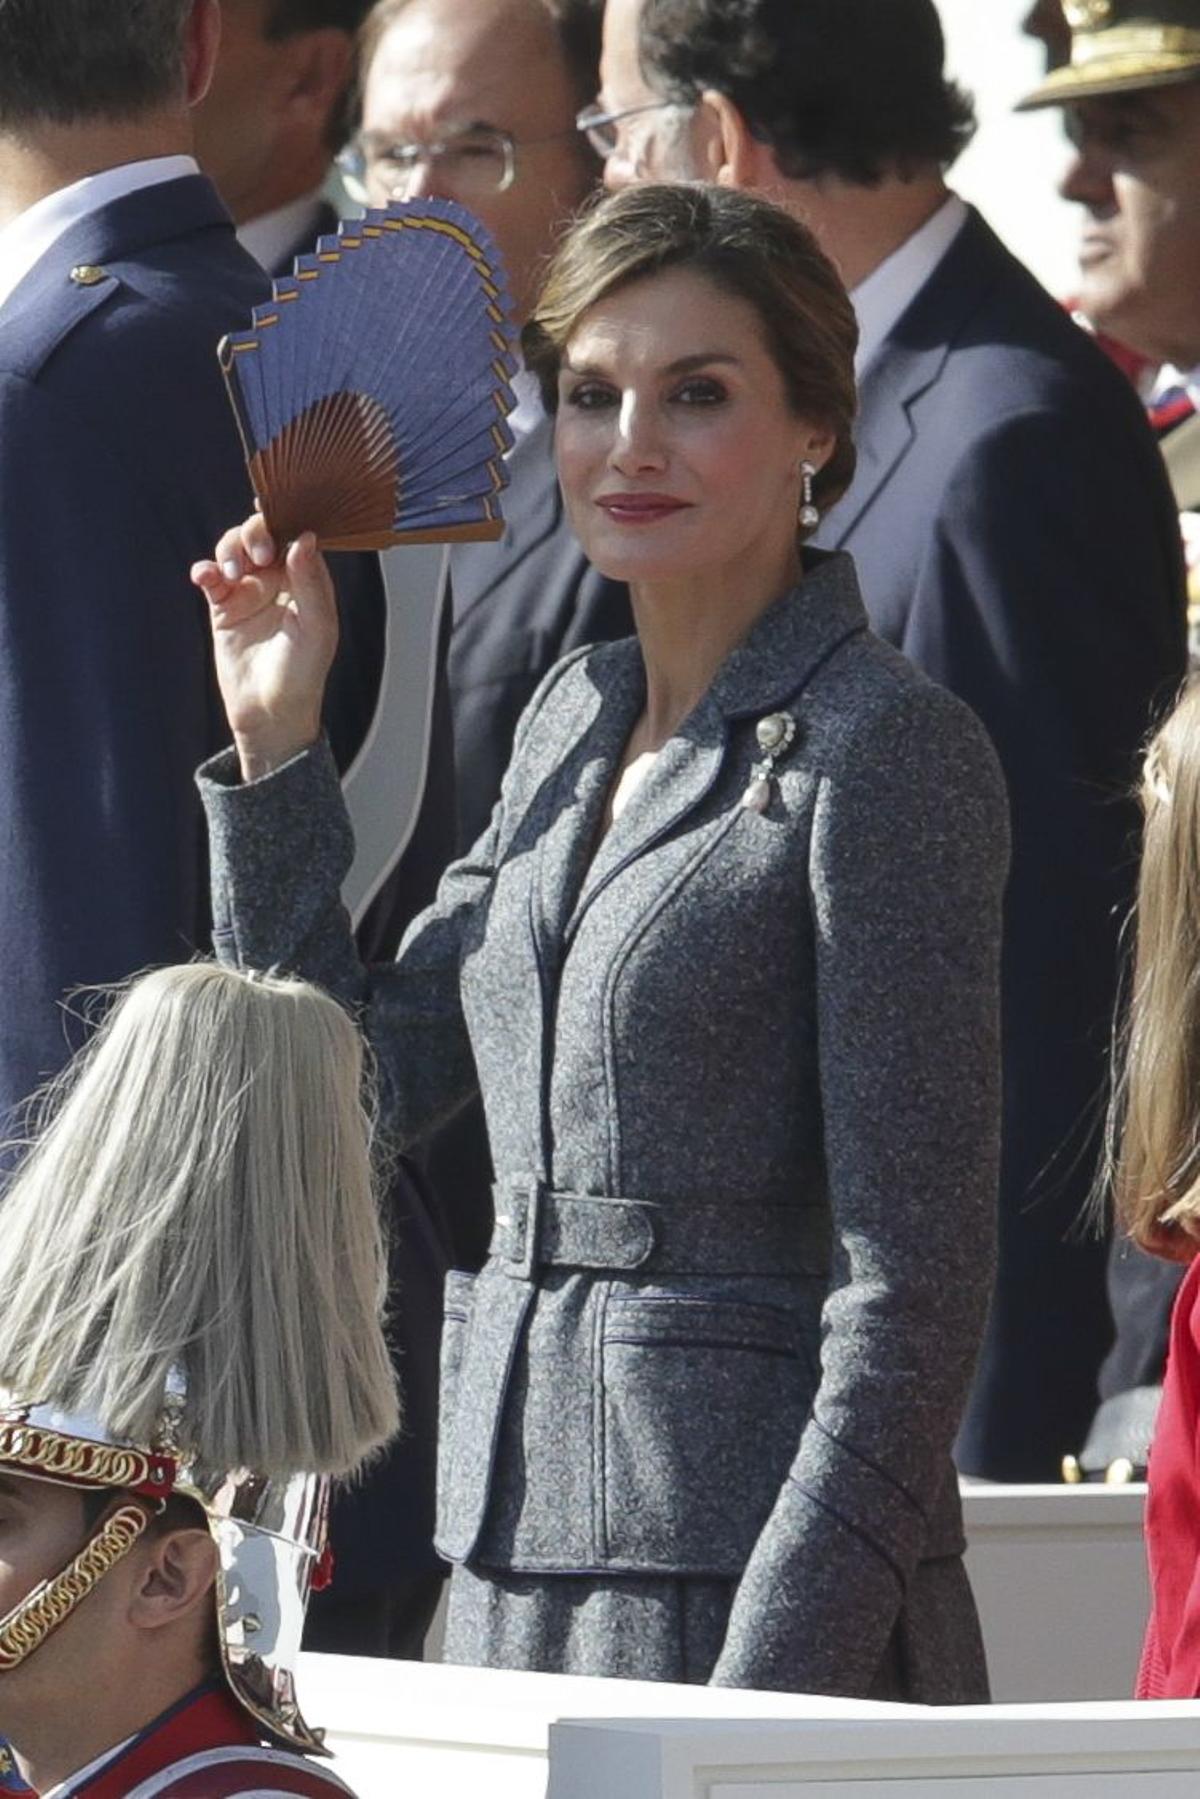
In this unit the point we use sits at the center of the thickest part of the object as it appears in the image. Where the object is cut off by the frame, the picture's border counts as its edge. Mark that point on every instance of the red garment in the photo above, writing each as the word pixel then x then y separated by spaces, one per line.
pixel 205 1748
pixel 1171 1655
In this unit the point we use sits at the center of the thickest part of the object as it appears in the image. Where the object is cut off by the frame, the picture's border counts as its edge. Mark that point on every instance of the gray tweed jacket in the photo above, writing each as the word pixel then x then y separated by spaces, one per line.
pixel 740 1074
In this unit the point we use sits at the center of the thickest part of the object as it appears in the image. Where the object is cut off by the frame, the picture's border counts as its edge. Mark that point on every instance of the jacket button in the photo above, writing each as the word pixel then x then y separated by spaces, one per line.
pixel 88 274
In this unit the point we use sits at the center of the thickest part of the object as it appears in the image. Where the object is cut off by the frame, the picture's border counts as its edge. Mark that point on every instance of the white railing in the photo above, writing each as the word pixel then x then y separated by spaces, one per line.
pixel 1060 1578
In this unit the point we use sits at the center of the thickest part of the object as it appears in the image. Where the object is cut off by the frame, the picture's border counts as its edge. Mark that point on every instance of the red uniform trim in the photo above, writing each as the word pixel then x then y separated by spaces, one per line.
pixel 208 1719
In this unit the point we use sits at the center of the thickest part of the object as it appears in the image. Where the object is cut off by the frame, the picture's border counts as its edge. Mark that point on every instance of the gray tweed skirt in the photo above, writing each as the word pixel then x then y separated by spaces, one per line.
pixel 634 1628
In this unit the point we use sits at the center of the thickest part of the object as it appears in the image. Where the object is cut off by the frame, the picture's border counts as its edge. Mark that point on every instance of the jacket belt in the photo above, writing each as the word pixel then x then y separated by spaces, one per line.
pixel 539 1228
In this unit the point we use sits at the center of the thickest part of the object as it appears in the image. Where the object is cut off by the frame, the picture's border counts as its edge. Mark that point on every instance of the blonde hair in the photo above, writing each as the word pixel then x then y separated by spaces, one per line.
pixel 1154 1122
pixel 200 1198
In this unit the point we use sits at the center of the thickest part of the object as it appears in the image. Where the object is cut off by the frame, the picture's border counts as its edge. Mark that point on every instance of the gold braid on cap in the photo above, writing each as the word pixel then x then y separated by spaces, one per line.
pixel 29 1624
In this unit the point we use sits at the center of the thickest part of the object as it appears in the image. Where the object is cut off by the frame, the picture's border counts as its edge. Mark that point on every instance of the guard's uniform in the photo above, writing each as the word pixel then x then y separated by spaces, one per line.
pixel 204 1748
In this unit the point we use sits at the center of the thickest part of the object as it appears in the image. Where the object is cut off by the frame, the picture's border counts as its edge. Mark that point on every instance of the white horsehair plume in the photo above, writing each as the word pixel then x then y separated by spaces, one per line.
pixel 200 1197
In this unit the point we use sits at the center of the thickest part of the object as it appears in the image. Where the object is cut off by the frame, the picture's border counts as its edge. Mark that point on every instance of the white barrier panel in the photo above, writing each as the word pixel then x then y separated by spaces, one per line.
pixel 406 1730
pixel 1084 1752
pixel 1060 1578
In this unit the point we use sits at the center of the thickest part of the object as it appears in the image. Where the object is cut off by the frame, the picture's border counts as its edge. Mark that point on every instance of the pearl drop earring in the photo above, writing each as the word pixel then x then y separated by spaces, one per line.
pixel 810 518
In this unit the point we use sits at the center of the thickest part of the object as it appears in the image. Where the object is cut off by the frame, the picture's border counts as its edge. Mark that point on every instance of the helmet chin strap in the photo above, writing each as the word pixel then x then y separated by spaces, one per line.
pixel 30 1622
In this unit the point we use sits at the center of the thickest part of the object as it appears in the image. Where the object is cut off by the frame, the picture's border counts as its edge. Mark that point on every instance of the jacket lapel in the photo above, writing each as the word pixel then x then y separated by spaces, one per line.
pixel 586 774
pixel 772 666
pixel 909 363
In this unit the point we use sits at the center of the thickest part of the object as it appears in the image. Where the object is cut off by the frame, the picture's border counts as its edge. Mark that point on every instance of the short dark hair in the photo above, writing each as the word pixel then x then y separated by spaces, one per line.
pixel 749 249
pixel 68 61
pixel 286 18
pixel 853 88
pixel 578 22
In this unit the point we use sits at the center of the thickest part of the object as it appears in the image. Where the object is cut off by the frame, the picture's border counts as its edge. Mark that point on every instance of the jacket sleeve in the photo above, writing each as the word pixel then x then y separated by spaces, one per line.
pixel 907 864
pixel 280 849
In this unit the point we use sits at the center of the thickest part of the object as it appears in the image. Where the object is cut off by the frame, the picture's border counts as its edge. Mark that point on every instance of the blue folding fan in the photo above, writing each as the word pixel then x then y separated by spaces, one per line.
pixel 371 392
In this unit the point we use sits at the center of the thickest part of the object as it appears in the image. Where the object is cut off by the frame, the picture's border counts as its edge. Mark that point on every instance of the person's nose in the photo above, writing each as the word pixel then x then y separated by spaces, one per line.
pixel 619 172
pixel 423 180
pixel 1088 180
pixel 637 446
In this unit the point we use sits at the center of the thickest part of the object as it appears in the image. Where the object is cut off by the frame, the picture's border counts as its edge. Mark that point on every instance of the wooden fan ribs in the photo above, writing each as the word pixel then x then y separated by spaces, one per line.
pixel 333 469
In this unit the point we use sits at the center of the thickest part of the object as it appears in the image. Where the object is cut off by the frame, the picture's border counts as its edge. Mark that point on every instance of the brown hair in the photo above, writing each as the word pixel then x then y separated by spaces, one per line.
pixel 747 248
pixel 1153 1161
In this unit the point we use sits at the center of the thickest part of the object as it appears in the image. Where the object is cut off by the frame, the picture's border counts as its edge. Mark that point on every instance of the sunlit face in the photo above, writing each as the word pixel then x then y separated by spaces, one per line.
pixel 678 452
pixel 1135 174
pixel 444 68
pixel 653 140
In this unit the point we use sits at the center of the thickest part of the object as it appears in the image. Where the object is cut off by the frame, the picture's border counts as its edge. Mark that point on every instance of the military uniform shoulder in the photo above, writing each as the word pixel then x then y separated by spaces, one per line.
pixel 242 1773
pixel 32 333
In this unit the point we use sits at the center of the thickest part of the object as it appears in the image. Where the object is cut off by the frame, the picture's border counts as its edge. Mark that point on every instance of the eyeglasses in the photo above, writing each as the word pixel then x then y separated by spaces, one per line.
pixel 472 164
pixel 600 126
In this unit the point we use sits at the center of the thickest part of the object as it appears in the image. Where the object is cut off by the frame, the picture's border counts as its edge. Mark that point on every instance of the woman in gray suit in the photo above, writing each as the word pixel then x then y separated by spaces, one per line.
pixel 724 966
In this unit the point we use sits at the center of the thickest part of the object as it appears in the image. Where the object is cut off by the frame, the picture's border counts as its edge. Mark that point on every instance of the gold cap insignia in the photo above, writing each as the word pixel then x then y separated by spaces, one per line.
pixel 1087 15
pixel 88 274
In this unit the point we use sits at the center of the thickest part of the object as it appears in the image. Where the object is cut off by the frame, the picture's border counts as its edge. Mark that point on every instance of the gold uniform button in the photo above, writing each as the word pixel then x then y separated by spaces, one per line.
pixel 88 274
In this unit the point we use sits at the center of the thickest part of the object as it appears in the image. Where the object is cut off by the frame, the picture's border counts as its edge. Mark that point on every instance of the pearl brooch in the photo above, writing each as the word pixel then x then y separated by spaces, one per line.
pixel 774 735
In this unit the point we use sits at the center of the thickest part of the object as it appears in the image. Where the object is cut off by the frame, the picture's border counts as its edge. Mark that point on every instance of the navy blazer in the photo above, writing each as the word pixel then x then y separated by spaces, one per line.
pixel 1016 537
pixel 119 465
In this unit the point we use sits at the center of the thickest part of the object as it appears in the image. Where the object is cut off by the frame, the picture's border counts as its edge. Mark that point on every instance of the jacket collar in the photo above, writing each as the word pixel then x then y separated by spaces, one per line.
pixel 791 639
pixel 910 362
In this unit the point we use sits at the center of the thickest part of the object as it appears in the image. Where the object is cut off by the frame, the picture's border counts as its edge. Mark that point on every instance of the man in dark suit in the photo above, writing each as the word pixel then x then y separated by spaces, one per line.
pixel 1014 534
pixel 119 465
pixel 1134 120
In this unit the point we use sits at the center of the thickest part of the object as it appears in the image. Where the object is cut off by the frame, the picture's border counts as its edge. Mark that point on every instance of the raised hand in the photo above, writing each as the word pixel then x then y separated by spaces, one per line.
pixel 275 630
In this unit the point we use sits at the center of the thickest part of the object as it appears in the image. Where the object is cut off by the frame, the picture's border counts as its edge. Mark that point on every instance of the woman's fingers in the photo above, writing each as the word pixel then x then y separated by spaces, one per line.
pixel 258 544
pixel 247 548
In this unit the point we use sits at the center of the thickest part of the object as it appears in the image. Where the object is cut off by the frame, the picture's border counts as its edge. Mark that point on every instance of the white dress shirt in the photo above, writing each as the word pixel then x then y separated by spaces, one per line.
pixel 881 301
pixel 1170 381
pixel 26 239
pixel 269 238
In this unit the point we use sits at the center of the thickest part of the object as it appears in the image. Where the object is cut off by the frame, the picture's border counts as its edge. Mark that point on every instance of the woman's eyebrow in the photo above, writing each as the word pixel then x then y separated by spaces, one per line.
pixel 682 365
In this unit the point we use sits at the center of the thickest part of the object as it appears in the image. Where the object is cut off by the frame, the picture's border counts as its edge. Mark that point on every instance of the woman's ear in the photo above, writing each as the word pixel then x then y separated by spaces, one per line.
pixel 820 445
pixel 728 152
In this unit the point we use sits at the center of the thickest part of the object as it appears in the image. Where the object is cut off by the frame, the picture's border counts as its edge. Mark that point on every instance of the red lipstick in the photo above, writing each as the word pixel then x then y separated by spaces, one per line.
pixel 640 508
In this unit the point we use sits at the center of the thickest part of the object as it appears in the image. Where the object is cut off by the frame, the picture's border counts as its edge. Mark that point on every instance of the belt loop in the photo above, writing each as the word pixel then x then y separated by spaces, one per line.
pixel 523 1265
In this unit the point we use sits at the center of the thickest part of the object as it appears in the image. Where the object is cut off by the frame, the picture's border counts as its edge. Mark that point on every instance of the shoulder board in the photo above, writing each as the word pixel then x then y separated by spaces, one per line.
pixel 241 1774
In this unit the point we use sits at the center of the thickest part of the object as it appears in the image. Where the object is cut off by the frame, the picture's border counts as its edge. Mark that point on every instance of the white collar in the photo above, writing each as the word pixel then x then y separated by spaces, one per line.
pixel 27 238
pixel 528 412
pixel 881 301
pixel 93 1768
pixel 270 237
pixel 1170 380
